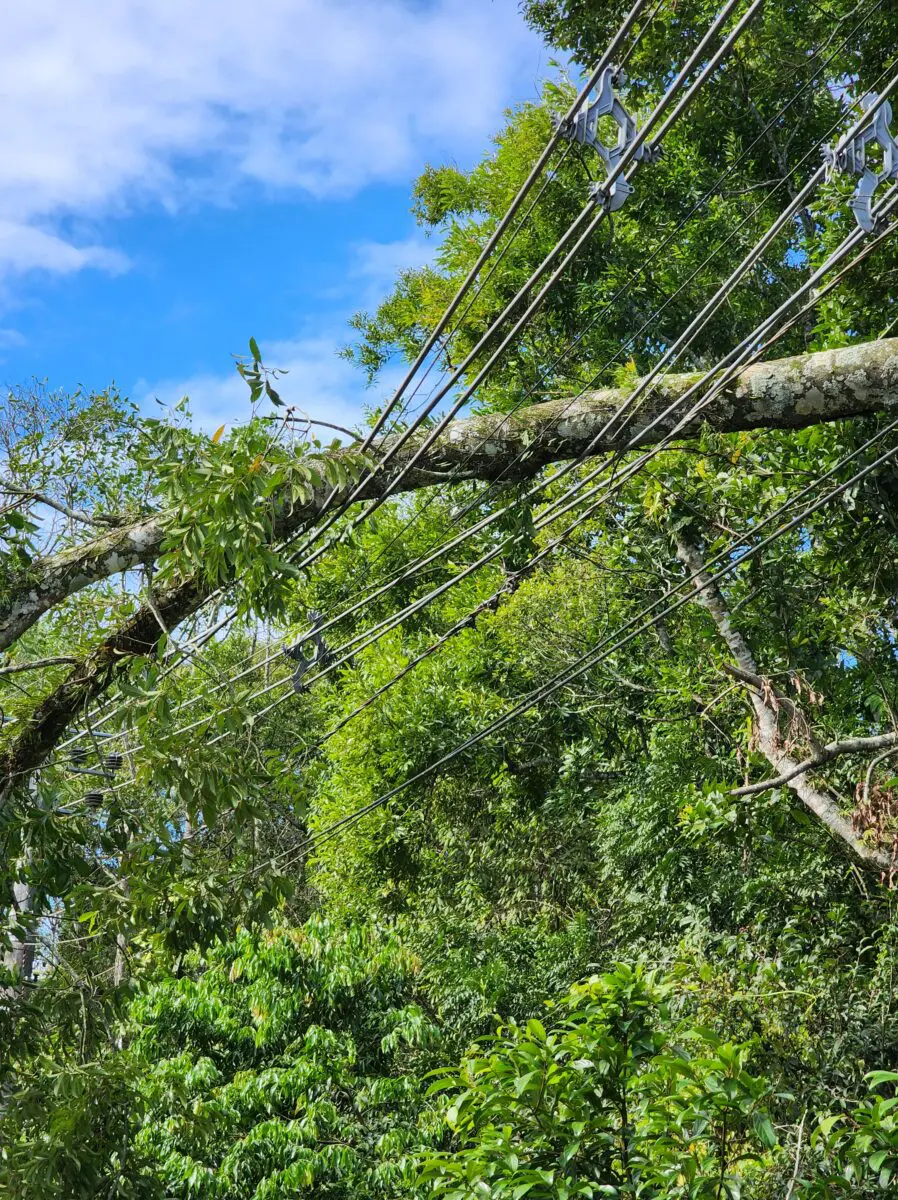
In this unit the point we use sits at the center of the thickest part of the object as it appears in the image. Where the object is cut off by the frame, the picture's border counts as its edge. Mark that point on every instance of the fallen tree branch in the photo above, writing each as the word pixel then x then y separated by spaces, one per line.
pixel 90 678
pixel 857 745
pixel 138 638
pixel 793 773
pixel 787 393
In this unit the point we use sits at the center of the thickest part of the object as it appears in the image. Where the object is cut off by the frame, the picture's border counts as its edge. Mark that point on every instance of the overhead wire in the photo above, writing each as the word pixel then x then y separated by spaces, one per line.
pixel 633 149
pixel 619 64
pixel 670 119
pixel 321 837
pixel 481 497
pixel 734 356
pixel 623 30
pixel 627 162
pixel 591 658
pixel 558 540
pixel 751 349
pixel 437 333
pixel 364 639
pixel 670 237
pixel 617 415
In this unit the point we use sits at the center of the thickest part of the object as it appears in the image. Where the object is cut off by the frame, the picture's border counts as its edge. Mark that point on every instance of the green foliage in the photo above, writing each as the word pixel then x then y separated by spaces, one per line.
pixel 747 143
pixel 860 1148
pixel 67 1128
pixel 286 1065
pixel 610 1100
pixel 242 991
pixel 226 498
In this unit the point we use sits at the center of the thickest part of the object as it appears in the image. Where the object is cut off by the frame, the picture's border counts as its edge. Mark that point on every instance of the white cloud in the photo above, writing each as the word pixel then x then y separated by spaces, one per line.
pixel 375 266
pixel 317 380
pixel 25 248
pixel 113 104
pixel 11 338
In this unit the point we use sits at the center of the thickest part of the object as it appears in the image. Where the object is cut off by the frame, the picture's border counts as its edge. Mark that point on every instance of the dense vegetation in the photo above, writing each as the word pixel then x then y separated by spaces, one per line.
pixel 578 959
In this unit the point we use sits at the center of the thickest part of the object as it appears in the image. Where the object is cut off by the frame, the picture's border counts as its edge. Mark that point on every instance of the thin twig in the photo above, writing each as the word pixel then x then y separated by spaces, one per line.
pixel 794 1180
pixel 869 775
pixel 825 754
pixel 76 514
pixel 57 660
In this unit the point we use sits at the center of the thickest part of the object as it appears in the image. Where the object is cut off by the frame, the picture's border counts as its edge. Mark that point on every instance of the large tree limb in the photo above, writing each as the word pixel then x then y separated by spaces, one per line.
pixel 792 772
pixel 787 393
pixel 44 727
pixel 826 754
pixel 50 580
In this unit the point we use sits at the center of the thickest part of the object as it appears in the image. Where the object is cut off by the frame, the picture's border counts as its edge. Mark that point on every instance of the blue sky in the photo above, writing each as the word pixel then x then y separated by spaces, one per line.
pixel 176 175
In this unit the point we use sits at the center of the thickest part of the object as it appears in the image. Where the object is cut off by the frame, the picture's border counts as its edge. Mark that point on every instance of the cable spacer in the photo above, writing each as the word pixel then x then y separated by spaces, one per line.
pixel 322 655
pixel 851 159
pixel 583 127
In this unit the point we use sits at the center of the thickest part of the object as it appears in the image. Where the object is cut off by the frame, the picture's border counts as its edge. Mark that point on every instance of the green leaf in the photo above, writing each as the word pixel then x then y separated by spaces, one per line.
pixel 877 1078
pixel 764 1130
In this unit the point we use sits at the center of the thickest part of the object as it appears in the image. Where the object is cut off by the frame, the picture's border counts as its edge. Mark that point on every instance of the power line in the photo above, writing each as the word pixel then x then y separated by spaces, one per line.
pixel 631 629
pixel 696 324
pixel 670 237
pixel 780 183
pixel 553 545
pixel 627 162
pixel 588 660
pixel 366 638
pixel 530 391
pixel 627 24
pixel 389 623
pixel 630 154
pixel 625 27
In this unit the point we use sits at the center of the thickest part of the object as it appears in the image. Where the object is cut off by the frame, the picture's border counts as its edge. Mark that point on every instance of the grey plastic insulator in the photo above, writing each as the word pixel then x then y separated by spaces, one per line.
pixel 584 128
pixel 611 198
pixel 851 159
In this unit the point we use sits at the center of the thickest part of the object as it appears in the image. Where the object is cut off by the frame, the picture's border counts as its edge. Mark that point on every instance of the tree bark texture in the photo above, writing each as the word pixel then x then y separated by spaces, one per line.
pixel 787 393
pixel 767 718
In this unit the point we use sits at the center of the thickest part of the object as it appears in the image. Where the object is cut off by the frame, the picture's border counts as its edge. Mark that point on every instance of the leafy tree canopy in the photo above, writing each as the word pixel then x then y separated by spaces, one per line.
pixel 614 949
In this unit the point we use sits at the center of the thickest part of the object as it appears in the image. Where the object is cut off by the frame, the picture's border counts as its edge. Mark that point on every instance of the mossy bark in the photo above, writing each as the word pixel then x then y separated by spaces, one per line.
pixel 787 393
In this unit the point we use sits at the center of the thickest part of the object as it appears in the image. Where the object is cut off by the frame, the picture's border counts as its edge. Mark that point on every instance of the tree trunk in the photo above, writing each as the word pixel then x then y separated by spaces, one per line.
pixel 788 393
pixel 767 718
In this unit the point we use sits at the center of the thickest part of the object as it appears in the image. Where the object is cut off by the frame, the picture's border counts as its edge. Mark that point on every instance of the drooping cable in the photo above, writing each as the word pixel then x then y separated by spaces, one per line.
pixel 627 163
pixel 588 660
pixel 736 358
pixel 633 150
pixel 752 351
pixel 694 323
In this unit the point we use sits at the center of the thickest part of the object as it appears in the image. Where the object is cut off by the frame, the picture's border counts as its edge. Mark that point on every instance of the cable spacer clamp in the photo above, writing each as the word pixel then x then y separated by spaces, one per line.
pixel 583 127
pixel 851 159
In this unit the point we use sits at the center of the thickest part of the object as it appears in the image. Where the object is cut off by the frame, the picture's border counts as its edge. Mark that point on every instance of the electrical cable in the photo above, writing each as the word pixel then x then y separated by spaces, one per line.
pixel 435 334
pixel 641 137
pixel 628 161
pixel 390 622
pixel 584 663
pixel 367 637
pixel 697 323
pixel 735 356
pixel 613 46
